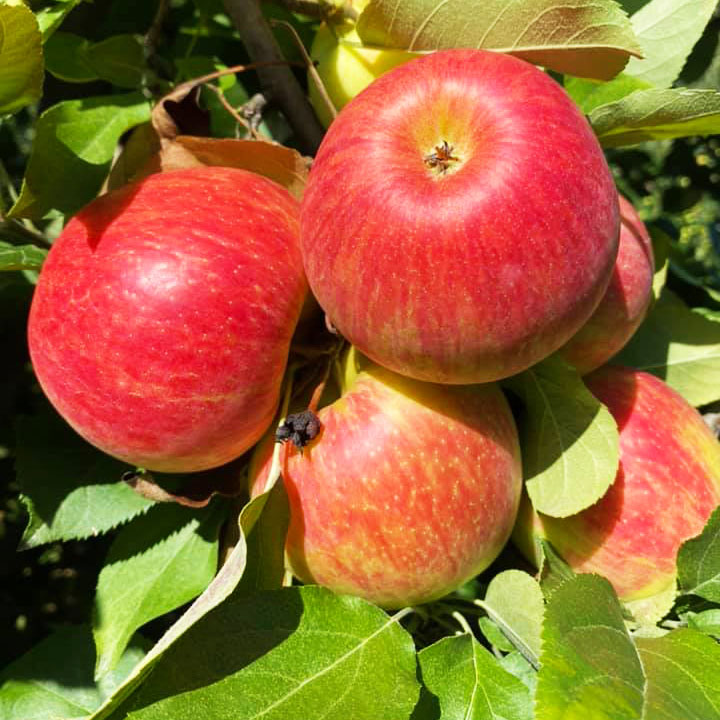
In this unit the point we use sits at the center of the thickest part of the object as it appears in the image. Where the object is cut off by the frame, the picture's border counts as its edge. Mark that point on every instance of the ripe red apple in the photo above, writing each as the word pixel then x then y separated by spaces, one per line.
pixel 409 490
pixel 626 299
pixel 460 222
pixel 667 486
pixel 163 315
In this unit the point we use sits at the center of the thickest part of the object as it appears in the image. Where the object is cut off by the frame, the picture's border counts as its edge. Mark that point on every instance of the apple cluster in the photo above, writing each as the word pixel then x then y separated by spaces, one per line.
pixel 459 225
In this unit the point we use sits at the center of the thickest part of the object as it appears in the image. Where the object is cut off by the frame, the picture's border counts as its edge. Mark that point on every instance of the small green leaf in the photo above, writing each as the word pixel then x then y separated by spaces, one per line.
pixel 707 621
pixel 66 58
pixel 50 18
pixel 119 59
pixel 21 257
pixel 299 652
pixel 657 115
pixel 667 31
pixel 156 563
pixel 554 571
pixel 515 602
pixel 589 667
pixel 518 666
pixel 579 37
pixel 699 562
pixel 679 346
pixel 589 94
pixel 55 678
pixel 21 59
pixel 470 684
pixel 683 676
pixel 567 435
pixel 647 612
pixel 75 139
pixel 71 489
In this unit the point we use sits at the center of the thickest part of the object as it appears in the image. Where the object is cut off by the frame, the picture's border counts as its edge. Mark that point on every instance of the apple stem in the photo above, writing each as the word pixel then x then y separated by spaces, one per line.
pixel 462 622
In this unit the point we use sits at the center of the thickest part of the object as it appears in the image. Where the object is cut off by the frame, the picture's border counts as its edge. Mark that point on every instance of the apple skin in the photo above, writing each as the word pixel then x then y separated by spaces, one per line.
pixel 666 488
pixel 409 490
pixel 346 67
pixel 162 318
pixel 626 300
pixel 478 272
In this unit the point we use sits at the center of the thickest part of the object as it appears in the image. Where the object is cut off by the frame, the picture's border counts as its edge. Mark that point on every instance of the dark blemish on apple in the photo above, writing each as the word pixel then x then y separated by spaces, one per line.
pixel 441 157
pixel 299 428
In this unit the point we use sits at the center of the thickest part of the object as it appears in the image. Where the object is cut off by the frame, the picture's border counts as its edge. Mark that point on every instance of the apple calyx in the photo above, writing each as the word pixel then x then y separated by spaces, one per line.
pixel 441 159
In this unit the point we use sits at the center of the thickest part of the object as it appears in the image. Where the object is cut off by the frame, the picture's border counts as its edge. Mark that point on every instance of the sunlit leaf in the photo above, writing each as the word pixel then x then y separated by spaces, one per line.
pixel 21 59
pixel 21 257
pixel 699 562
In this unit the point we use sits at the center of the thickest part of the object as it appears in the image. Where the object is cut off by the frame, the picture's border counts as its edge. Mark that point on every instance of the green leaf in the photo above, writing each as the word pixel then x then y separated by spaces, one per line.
pixel 518 666
pixel 21 257
pixel 554 571
pixel 647 612
pixel 223 584
pixel 588 38
pixel 156 563
pixel 589 94
pixel 521 621
pixel 66 58
pixel 50 18
pixel 567 435
pixel 470 684
pixel 707 621
pixel 679 346
pixel 21 60
pixel 683 676
pixel 589 666
pixel 55 678
pixel 71 489
pixel 699 562
pixel 667 31
pixel 75 139
pixel 119 59
pixel 294 653
pixel 657 115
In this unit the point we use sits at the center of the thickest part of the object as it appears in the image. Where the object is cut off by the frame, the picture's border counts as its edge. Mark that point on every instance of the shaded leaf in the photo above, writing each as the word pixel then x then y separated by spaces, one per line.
pixel 470 684
pixel 554 571
pixel 71 490
pixel 667 31
pixel 21 59
pixel 683 676
pixel 657 115
pixel 679 346
pixel 299 652
pixel 699 562
pixel 567 434
pixel 156 563
pixel 589 666
pixel 119 59
pixel 75 139
pixel 707 621
pixel 55 678
pixel 578 37
pixel 66 58
pixel 21 257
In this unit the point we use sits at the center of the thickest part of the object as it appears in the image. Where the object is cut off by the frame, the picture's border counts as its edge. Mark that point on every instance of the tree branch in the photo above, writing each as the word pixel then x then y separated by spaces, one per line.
pixel 279 84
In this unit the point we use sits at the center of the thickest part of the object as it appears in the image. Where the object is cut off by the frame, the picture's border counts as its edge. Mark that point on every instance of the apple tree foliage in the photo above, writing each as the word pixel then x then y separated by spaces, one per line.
pixel 190 614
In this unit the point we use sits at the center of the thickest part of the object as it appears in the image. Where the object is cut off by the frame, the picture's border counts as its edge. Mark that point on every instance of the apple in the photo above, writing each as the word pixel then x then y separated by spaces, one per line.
pixel 626 300
pixel 667 485
pixel 346 66
pixel 408 490
pixel 162 319
pixel 460 222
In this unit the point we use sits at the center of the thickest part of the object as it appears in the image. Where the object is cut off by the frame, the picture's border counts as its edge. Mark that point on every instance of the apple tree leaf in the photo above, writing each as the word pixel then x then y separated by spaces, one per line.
pixel 55 678
pixel 683 676
pixel 589 94
pixel 71 490
pixel 707 621
pixel 66 58
pixel 119 59
pixel 50 18
pixel 657 115
pixel 75 139
pixel 156 563
pixel 570 440
pixel 470 684
pixel 667 31
pixel 589 666
pixel 699 562
pixel 297 652
pixel 221 587
pixel 680 346
pixel 554 571
pixel 21 257
pixel 579 37
pixel 21 59
pixel 514 601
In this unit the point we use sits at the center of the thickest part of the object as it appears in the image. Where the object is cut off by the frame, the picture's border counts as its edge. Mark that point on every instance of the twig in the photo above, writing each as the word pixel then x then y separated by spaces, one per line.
pixel 279 84
pixel 238 118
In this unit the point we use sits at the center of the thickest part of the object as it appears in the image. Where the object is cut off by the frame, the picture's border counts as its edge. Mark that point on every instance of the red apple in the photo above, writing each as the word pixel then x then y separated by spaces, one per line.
pixel 626 299
pixel 460 222
pixel 409 490
pixel 667 486
pixel 163 315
